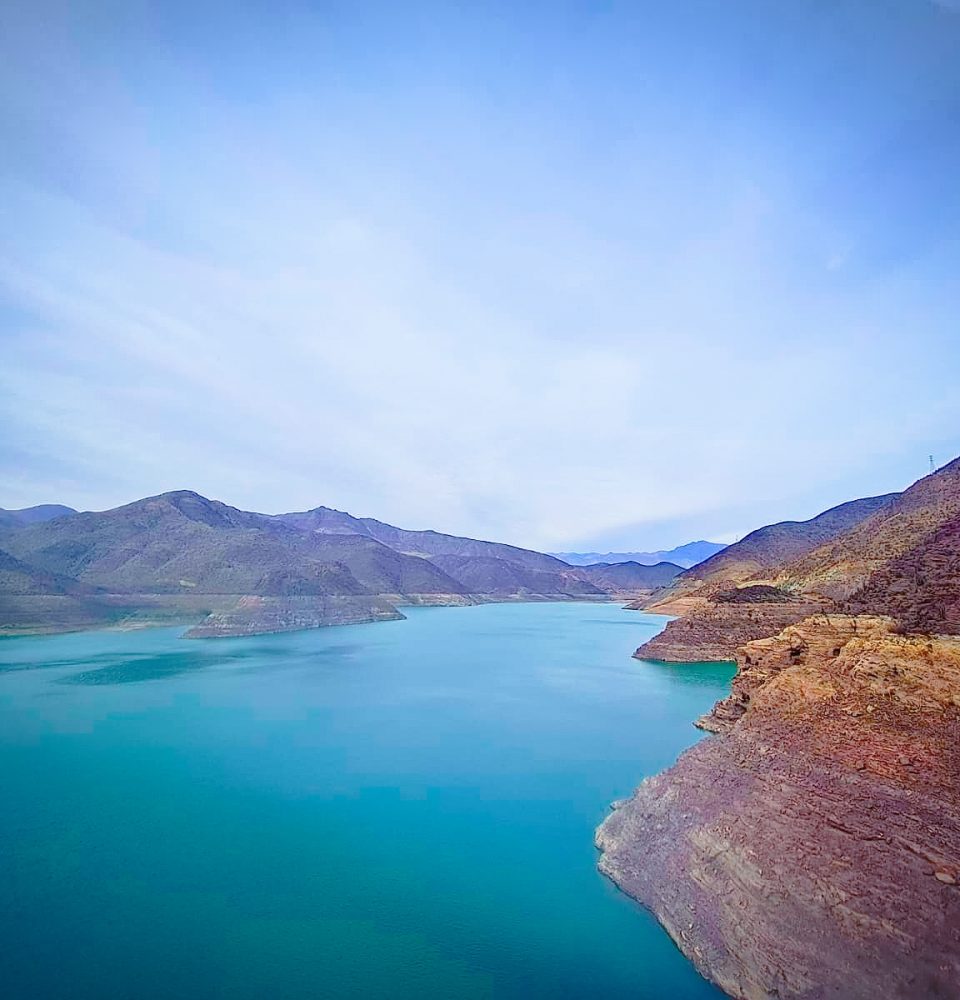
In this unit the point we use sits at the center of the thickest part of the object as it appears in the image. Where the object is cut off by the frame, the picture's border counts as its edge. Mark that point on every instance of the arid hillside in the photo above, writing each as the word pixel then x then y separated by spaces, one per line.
pixel 897 555
pixel 810 848
pixel 181 557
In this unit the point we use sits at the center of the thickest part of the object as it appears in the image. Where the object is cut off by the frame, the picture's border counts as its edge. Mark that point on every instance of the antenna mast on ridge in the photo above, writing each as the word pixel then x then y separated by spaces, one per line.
pixel 931 463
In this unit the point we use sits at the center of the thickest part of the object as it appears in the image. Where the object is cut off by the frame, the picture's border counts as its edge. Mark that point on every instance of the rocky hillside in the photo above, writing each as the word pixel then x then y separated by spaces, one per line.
pixel 181 541
pixel 488 575
pixel 714 620
pixel 18 579
pixel 811 848
pixel 325 520
pixel 630 577
pixel 921 587
pixel 771 546
pixel 846 564
pixel 714 631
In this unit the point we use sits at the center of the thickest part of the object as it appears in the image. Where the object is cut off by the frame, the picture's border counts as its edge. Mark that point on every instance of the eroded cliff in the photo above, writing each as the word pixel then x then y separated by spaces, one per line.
pixel 812 848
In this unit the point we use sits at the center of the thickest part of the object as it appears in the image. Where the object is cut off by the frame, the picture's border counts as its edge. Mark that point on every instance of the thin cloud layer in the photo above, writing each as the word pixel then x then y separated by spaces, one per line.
pixel 557 283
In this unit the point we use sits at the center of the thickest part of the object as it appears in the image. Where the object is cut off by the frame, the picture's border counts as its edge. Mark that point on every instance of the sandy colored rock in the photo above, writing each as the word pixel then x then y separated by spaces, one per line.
pixel 715 631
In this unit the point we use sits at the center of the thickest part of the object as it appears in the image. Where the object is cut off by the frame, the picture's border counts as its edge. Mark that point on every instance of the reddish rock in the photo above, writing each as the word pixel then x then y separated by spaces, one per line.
pixel 716 631
pixel 812 849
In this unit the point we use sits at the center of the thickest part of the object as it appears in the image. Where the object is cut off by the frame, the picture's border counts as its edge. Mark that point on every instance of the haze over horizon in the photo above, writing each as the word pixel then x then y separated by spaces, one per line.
pixel 578 277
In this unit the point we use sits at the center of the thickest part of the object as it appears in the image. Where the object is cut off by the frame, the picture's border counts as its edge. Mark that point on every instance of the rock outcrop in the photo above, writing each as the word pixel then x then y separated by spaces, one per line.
pixel 714 631
pixel 812 848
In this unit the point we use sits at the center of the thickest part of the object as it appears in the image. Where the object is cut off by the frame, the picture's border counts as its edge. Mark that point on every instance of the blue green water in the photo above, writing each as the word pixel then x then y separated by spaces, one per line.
pixel 400 810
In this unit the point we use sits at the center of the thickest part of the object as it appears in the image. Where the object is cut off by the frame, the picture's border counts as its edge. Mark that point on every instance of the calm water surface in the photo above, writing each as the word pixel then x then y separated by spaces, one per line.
pixel 396 810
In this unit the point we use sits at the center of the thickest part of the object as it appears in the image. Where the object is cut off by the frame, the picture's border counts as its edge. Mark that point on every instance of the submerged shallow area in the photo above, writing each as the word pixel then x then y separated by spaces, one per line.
pixel 404 809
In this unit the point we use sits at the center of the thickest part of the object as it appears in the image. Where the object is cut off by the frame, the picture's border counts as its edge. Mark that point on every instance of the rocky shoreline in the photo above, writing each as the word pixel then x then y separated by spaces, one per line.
pixel 716 631
pixel 811 848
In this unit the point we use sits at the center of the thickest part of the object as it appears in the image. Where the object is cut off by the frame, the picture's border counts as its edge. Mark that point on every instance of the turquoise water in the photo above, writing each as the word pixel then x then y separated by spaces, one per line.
pixel 396 810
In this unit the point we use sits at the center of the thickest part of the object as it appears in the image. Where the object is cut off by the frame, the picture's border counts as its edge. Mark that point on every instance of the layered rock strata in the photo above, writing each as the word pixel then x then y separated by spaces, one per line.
pixel 811 849
pixel 716 631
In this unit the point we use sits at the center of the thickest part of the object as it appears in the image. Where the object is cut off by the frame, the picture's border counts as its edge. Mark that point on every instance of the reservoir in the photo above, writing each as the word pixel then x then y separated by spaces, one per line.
pixel 398 810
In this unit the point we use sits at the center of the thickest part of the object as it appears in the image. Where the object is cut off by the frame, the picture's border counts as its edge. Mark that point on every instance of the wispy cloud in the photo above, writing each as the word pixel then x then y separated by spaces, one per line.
pixel 381 285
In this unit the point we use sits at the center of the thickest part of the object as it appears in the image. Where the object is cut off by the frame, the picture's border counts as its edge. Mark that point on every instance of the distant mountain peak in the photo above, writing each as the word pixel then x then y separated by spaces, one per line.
pixel 685 556
pixel 33 515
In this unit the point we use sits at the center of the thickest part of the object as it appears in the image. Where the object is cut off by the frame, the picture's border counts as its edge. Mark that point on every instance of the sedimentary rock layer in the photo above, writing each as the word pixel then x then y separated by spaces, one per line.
pixel 716 631
pixel 812 848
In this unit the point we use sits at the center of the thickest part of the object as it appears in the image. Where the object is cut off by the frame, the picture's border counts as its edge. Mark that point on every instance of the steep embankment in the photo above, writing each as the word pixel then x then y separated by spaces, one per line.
pixel 921 588
pixel 715 630
pixel 813 849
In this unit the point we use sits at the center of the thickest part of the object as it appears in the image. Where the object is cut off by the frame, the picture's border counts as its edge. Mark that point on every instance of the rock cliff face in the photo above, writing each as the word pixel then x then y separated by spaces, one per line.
pixel 921 588
pixel 715 631
pixel 812 848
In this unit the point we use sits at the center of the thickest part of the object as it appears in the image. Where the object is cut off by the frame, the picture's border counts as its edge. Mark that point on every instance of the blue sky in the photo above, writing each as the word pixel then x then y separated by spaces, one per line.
pixel 566 275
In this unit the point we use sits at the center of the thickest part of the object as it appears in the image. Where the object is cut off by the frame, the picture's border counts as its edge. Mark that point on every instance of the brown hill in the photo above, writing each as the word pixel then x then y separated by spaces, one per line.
pixel 181 542
pixel 765 550
pixel 845 564
pixel 326 521
pixel 717 601
pixel 898 555
pixel 17 578
pixel 180 554
pixel 32 515
pixel 486 575
pixel 491 568
pixel 921 588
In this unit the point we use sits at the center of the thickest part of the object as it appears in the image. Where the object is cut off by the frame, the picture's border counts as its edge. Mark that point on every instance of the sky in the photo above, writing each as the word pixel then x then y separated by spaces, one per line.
pixel 569 275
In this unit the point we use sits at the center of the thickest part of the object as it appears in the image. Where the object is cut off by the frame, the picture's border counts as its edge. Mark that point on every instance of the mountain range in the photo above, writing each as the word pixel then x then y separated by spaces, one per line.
pixel 180 556
pixel 683 555
pixel 809 847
